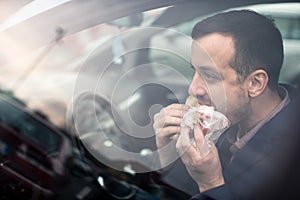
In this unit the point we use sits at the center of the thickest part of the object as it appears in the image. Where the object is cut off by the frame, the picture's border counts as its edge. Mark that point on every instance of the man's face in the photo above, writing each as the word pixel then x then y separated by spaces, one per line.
pixel 215 82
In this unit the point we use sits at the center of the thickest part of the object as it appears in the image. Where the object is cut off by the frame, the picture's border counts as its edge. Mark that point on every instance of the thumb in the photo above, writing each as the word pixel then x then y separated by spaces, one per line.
pixel 183 140
pixel 202 145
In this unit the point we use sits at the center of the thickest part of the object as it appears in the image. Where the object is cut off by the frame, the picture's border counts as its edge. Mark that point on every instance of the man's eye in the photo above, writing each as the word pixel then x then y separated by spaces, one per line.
pixel 210 77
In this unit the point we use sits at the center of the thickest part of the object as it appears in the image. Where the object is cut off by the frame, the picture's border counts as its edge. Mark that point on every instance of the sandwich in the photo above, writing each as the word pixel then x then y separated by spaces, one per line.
pixel 213 123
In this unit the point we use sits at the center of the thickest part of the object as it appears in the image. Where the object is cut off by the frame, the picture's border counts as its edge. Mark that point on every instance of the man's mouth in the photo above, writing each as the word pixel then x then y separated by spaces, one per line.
pixel 205 102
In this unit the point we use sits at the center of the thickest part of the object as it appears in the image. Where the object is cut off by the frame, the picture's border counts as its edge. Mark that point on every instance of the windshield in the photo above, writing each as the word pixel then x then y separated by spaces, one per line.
pixel 102 82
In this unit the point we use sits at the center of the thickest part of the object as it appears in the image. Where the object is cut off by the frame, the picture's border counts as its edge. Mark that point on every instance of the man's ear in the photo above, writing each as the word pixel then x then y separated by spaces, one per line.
pixel 257 82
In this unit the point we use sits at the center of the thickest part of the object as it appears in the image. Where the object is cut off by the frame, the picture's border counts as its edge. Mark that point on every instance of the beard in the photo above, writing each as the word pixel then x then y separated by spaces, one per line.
pixel 239 113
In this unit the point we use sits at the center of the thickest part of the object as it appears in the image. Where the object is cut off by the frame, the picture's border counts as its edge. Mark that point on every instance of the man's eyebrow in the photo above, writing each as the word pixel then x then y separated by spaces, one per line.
pixel 206 68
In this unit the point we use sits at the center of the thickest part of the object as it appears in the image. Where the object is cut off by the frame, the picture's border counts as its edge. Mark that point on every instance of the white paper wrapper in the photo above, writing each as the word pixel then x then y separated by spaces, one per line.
pixel 213 122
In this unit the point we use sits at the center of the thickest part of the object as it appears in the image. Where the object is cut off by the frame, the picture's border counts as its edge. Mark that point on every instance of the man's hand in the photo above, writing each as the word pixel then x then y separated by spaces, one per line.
pixel 201 161
pixel 167 128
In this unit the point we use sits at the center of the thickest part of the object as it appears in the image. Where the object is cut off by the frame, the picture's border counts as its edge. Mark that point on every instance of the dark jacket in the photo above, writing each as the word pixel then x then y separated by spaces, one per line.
pixel 268 166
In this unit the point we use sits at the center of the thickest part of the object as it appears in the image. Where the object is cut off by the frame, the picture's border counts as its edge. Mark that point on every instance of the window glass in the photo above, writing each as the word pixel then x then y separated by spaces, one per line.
pixel 29 127
pixel 289 27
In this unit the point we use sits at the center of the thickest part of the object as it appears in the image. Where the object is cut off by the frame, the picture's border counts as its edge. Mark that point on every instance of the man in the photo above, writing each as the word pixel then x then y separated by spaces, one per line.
pixel 237 57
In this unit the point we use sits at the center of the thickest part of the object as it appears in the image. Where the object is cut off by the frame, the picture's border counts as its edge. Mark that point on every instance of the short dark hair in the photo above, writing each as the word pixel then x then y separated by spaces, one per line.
pixel 257 41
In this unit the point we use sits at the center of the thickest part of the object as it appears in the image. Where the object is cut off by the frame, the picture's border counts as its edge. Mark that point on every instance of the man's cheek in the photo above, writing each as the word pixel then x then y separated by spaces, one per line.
pixel 218 97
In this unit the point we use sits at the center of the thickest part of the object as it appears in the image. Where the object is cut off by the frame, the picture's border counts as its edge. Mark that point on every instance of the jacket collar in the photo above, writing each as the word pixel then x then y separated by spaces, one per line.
pixel 284 126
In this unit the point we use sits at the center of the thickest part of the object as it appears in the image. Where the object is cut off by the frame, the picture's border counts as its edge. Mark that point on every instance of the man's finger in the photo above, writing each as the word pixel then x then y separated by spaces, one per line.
pixel 202 144
pixel 167 131
pixel 177 106
pixel 183 141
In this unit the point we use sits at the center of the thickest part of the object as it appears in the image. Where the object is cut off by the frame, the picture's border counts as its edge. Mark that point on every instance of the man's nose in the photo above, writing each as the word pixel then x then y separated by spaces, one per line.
pixel 197 86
